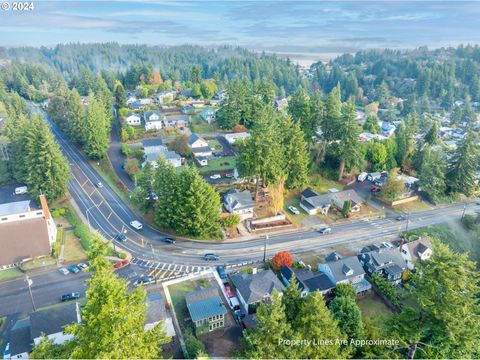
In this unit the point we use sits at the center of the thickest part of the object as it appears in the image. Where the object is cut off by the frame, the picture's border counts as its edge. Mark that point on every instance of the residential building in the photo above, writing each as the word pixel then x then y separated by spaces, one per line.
pixel 415 251
pixel 133 119
pixel 220 95
pixel 154 150
pixel 188 110
pixel 314 203
pixel 339 198
pixel 175 122
pixel 187 93
pixel 253 288
pixel 19 343
pixel 388 129
pixel 233 137
pixel 152 120
pixel 130 100
pixel 52 322
pixel 367 137
pixel 199 146
pixel 165 96
pixel 346 270
pixel 239 202
pixel 206 310
pixel 280 104
pixel 388 263
pixel 156 313
pixel 208 114
pixel 25 233
pixel 307 280
pixel 202 160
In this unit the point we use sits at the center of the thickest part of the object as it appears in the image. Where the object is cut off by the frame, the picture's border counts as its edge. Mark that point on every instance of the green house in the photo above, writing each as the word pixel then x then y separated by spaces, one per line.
pixel 206 310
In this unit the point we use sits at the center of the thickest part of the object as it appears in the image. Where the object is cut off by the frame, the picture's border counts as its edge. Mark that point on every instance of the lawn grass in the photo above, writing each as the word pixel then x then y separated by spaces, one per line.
pixel 73 250
pixel 414 206
pixel 177 294
pixel 321 184
pixel 47 261
pixel 219 164
pixel 10 274
pixel 374 308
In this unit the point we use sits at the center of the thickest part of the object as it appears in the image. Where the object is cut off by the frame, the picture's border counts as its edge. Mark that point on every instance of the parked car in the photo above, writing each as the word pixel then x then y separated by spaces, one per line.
pixel 218 155
pixel 375 189
pixel 168 240
pixel 210 257
pixel 229 291
pixel 71 296
pixel 63 271
pixel 386 245
pixel 145 280
pixel 121 263
pixel 400 218
pixel 221 272
pixel 120 237
pixel 21 190
pixel 229 175
pixel 136 224
pixel 215 176
pixel 325 230
pixel 293 210
pixel 153 196
pixel 99 185
pixel 74 269
pixel 82 266
pixel 362 177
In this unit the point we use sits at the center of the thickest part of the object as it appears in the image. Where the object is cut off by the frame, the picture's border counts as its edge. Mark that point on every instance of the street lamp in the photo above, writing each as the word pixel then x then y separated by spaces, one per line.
pixel 88 220
pixel 265 249
pixel 29 284
pixel 464 209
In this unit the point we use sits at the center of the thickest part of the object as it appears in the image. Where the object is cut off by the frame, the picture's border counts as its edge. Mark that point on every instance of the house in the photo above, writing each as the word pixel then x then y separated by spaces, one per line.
pixel 346 270
pixel 187 93
pixel 280 104
pixel 52 322
pixel 206 310
pixel 154 149
pixel 202 160
pixel 253 288
pixel 220 95
pixel 367 137
pixel 307 280
pixel 199 146
pixel 388 263
pixel 388 129
pixel 152 120
pixel 233 137
pixel 339 198
pixel 140 103
pixel 18 340
pixel 334 256
pixel 314 203
pixel 165 96
pixel 175 122
pixel 133 119
pixel 239 202
pixel 130 100
pixel 34 232
pixel 188 110
pixel 208 114
pixel 156 312
pixel 414 251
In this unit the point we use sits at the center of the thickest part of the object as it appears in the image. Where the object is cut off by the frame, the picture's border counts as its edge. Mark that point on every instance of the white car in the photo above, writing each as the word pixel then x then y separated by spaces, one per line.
pixel 99 185
pixel 294 210
pixel 215 176
pixel 387 245
pixel 63 271
pixel 136 224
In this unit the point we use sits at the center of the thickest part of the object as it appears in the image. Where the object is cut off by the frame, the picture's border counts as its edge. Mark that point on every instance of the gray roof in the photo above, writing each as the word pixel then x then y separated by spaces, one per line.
pixel 345 195
pixel 387 256
pixel 240 200
pixel 334 256
pixel 192 138
pixel 393 269
pixel 204 303
pixel 308 192
pixel 16 207
pixel 313 280
pixel 319 201
pixel 150 113
pixel 19 337
pixel 253 287
pixel 151 142
pixel 341 268
pixel 156 308
pixel 52 320
pixel 202 149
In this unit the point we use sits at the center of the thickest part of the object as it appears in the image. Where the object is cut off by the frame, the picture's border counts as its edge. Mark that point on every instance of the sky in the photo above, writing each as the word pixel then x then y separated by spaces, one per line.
pixel 279 26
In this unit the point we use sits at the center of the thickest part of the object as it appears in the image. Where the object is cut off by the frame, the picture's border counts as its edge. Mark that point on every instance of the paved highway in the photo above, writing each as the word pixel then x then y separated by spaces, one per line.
pixel 109 214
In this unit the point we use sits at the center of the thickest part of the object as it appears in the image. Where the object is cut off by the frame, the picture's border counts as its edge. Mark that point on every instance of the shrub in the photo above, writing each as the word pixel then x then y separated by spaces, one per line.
pixel 126 150
pixel 230 220
pixel 83 233
pixel 387 289
pixel 122 255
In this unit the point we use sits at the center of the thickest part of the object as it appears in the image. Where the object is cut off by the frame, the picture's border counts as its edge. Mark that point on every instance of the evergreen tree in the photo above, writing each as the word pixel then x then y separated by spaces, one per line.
pixel 296 154
pixel 330 124
pixel 120 95
pixel 461 171
pixel 371 125
pixel 405 145
pixel 102 92
pixel 300 108
pixel 394 186
pixel 346 311
pixel 76 116
pixel 432 137
pixel 432 175
pixel 96 130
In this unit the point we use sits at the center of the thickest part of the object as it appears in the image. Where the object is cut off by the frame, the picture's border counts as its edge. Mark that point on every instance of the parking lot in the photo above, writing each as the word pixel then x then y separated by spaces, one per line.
pixel 7 194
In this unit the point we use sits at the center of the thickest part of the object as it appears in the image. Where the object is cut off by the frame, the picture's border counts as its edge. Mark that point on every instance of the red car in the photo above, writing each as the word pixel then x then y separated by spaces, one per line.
pixel 229 291
pixel 375 189
pixel 121 263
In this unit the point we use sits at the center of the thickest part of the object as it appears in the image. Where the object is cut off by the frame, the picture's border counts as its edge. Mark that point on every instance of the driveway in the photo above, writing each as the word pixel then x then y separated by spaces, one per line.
pixel 117 158
pixel 227 148
pixel 7 194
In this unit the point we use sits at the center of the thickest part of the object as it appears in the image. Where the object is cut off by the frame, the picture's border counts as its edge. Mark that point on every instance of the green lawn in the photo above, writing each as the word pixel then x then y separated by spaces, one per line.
pixel 10 274
pixel 374 308
pixel 321 184
pixel 177 293
pixel 219 164
pixel 73 250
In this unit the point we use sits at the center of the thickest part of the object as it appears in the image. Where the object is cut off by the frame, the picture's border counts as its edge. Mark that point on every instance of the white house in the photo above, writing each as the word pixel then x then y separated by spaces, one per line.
pixel 133 119
pixel 199 146
pixel 165 96
pixel 239 202
pixel 152 120
pixel 414 251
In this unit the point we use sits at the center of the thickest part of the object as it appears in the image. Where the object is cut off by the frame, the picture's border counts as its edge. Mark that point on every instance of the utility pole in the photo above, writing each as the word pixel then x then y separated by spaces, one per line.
pixel 265 249
pixel 29 284
pixel 464 209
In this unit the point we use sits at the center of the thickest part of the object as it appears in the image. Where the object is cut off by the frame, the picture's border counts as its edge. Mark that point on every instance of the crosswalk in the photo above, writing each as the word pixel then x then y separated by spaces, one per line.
pixel 163 271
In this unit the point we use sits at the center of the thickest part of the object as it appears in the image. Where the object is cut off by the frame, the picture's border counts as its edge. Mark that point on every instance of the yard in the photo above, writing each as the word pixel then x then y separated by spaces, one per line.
pixel 374 308
pixel 73 250
pixel 222 164
pixel 199 126
pixel 177 293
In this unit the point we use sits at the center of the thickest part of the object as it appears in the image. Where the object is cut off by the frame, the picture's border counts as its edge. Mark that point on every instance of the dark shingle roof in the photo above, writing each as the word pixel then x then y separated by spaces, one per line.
pixel 19 339
pixel 308 193
pixel 253 287
pixel 52 320
pixel 334 256
pixel 151 142
pixel 156 308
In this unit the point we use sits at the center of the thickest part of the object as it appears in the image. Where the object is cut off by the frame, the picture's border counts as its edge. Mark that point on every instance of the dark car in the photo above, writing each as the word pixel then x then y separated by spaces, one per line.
pixel 145 280
pixel 120 237
pixel 74 269
pixel 210 257
pixel 71 296
pixel 400 217
pixel 221 272
pixel 325 230
pixel 375 189
pixel 169 240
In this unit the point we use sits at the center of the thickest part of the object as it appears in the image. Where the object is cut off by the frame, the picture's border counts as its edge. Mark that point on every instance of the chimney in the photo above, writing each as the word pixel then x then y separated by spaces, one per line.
pixel 45 209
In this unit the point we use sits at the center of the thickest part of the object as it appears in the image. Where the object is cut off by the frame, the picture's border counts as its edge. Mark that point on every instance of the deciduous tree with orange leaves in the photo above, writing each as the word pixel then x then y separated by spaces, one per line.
pixel 281 259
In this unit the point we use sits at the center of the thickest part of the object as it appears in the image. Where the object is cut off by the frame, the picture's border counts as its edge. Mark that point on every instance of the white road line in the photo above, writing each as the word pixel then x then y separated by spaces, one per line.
pixel 158 265
pixel 181 267
pixel 163 266
pixel 169 266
